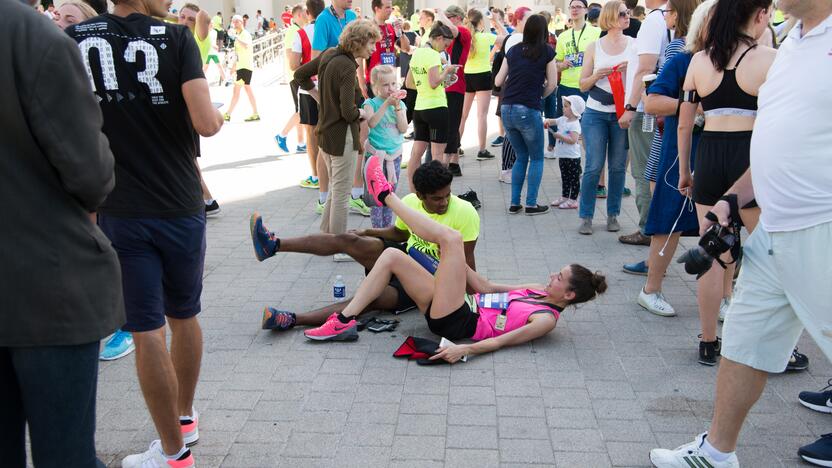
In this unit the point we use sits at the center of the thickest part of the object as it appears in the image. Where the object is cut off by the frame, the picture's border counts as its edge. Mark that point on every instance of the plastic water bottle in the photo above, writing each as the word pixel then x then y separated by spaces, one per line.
pixel 339 289
pixel 648 123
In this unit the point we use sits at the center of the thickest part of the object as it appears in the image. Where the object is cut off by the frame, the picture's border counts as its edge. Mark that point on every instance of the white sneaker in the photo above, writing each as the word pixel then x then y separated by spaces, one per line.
pixel 690 455
pixel 505 177
pixel 155 458
pixel 549 154
pixel 656 304
pixel 342 257
pixel 723 308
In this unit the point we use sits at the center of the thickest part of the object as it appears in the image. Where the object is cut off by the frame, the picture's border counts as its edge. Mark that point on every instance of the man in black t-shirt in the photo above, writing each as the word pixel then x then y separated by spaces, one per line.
pixel 147 78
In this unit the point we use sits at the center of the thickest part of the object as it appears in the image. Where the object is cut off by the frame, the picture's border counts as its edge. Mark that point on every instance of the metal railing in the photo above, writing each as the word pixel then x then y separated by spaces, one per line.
pixel 267 49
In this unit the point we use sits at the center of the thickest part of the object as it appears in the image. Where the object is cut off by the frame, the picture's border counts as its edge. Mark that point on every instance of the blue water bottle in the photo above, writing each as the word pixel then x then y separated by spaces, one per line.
pixel 339 289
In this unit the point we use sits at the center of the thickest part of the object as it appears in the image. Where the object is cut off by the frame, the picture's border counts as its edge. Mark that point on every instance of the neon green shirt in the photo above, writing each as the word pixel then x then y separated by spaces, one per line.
pixel 216 23
pixel 205 45
pixel 566 47
pixel 478 59
pixel 461 216
pixel 244 54
pixel 423 59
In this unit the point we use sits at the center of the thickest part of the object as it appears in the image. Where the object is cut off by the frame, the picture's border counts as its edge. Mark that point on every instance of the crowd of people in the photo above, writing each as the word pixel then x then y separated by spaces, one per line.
pixel 692 94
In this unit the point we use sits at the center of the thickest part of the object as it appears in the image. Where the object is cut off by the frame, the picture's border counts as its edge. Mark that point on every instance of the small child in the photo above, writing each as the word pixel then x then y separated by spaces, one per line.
pixel 388 124
pixel 568 150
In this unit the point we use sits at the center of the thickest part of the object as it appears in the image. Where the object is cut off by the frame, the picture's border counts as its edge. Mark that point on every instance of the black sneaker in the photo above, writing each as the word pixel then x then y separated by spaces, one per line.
pixel 709 351
pixel 484 155
pixel 797 361
pixel 213 209
pixel 409 136
pixel 818 452
pixel 536 210
pixel 819 401
pixel 455 169
pixel 514 209
pixel 471 197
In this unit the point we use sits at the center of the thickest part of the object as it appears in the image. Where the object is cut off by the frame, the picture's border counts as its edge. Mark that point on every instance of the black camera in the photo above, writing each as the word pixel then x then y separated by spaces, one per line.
pixel 716 241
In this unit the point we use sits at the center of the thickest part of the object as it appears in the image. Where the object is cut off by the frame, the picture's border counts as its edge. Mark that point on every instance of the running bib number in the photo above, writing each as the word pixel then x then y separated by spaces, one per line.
pixel 577 60
pixel 388 58
pixel 107 64
pixel 493 301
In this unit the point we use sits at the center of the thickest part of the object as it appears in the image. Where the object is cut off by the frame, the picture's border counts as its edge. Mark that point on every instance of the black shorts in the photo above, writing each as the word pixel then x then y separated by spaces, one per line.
pixel 478 82
pixel 455 101
pixel 410 102
pixel 460 324
pixel 244 75
pixel 721 159
pixel 293 86
pixel 431 125
pixel 162 261
pixel 308 110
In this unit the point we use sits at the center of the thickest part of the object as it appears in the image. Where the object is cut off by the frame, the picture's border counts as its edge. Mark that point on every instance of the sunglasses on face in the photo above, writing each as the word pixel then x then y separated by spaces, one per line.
pixel 577 7
pixel 623 14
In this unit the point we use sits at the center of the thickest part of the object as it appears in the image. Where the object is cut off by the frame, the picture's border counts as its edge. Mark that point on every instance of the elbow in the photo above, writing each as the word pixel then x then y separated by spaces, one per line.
pixel 209 128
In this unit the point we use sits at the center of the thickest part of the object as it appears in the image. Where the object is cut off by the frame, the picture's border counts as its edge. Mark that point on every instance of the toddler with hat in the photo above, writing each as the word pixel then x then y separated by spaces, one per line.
pixel 568 149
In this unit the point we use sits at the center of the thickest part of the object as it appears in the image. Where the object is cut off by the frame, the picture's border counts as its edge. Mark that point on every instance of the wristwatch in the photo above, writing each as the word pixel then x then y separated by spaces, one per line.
pixel 629 107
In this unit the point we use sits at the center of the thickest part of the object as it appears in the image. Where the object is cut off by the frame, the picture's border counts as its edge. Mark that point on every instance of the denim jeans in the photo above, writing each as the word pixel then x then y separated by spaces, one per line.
pixel 524 129
pixel 603 138
pixel 52 388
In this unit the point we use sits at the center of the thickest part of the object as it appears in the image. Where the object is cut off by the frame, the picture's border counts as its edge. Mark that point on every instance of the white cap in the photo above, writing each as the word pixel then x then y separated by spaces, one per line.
pixel 578 104
pixel 236 18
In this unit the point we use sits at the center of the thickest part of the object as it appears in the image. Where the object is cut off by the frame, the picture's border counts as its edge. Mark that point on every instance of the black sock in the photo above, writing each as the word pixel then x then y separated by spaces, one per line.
pixel 343 319
pixel 382 196
pixel 276 244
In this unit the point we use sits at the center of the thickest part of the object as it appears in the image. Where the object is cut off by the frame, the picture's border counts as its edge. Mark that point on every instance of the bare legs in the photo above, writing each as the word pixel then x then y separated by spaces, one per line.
pixel 168 381
pixel 738 387
pixel 235 96
pixel 388 299
pixel 419 147
pixel 658 263
pixel 711 289
pixel 312 150
pixel 365 250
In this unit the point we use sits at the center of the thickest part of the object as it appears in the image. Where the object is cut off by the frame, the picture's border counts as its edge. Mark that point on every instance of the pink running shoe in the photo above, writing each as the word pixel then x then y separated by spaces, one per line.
pixel 375 180
pixel 334 330
pixel 190 428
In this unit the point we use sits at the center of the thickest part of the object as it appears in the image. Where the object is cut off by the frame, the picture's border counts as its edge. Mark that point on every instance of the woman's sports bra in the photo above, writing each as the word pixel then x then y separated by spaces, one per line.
pixel 728 98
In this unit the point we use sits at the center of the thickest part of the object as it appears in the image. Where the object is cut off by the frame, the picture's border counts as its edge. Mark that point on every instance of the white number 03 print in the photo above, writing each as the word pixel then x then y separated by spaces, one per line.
pixel 108 69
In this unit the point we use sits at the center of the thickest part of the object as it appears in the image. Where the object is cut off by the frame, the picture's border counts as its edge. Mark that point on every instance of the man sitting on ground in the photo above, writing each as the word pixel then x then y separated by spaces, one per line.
pixel 432 183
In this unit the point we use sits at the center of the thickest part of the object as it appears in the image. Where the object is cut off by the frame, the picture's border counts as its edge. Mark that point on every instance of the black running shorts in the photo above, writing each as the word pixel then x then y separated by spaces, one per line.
pixel 431 125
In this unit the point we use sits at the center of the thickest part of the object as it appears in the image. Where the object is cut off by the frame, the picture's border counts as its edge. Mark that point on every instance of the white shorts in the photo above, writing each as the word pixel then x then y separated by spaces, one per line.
pixel 785 285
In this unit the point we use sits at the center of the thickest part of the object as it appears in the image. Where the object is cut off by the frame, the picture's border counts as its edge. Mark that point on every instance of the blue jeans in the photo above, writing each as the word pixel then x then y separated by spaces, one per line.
pixel 603 138
pixel 524 129
pixel 52 388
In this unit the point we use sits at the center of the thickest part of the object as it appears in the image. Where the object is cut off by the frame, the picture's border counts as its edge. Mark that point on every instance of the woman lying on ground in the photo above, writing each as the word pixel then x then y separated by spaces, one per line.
pixel 525 313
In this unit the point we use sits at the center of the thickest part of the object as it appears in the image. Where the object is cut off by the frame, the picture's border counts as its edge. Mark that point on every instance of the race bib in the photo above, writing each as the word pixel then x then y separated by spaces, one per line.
pixel 388 58
pixel 493 301
pixel 576 59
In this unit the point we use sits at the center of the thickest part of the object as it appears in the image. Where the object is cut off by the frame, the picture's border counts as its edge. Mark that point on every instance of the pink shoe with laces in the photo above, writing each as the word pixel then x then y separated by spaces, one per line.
pixel 375 180
pixel 334 330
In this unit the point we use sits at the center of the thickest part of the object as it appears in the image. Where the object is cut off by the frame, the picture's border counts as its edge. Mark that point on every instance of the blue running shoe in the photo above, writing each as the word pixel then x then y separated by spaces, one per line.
pixel 264 241
pixel 300 149
pixel 279 320
pixel 638 268
pixel 498 141
pixel 281 143
pixel 120 344
pixel 818 452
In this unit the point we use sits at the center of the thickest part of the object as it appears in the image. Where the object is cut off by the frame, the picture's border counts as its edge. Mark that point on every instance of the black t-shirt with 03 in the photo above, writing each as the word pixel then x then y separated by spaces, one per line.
pixel 136 66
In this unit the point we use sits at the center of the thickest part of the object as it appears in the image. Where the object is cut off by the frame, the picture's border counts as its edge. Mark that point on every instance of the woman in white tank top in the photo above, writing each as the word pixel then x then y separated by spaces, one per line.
pixel 599 124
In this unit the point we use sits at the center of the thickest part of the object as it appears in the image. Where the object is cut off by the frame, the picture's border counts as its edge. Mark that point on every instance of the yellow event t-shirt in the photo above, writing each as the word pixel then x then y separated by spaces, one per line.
pixel 571 77
pixel 478 61
pixel 216 23
pixel 244 54
pixel 461 216
pixel 205 45
pixel 423 59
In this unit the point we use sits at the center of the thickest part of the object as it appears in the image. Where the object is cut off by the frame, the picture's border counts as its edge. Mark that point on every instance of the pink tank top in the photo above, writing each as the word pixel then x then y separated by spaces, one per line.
pixel 518 306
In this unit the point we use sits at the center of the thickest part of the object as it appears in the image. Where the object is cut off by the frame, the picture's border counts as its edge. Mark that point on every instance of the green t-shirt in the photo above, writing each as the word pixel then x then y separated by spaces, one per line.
pixel 244 54
pixel 478 60
pixel 216 23
pixel 423 59
pixel 461 216
pixel 205 45
pixel 574 50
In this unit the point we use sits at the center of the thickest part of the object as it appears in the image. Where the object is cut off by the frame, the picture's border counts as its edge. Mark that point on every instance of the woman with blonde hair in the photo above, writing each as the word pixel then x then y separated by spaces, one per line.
pixel 72 12
pixel 339 116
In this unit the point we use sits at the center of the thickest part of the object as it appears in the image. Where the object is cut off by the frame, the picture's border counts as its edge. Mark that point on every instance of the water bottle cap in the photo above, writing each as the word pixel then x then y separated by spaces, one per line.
pixel 338 277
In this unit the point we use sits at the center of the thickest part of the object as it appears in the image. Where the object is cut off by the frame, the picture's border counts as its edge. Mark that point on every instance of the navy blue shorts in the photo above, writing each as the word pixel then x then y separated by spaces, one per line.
pixel 162 260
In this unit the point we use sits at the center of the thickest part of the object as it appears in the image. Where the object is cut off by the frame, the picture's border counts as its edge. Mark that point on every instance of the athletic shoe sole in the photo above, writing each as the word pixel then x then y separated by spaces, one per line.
pixel 817 461
pixel 707 363
pixel 639 273
pixel 790 368
pixel 213 213
pixel 348 335
pixel 127 351
pixel 191 439
pixel 818 408
pixel 252 223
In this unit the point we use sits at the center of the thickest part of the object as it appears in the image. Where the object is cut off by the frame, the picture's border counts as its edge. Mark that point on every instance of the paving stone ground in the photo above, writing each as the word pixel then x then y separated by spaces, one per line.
pixel 611 382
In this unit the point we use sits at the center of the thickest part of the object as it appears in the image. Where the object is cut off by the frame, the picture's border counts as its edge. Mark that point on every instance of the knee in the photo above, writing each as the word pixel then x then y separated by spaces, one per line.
pixel 347 239
pixel 450 236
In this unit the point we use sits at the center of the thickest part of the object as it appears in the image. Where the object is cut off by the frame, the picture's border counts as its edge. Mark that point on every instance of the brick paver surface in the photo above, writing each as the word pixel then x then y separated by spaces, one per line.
pixel 611 382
